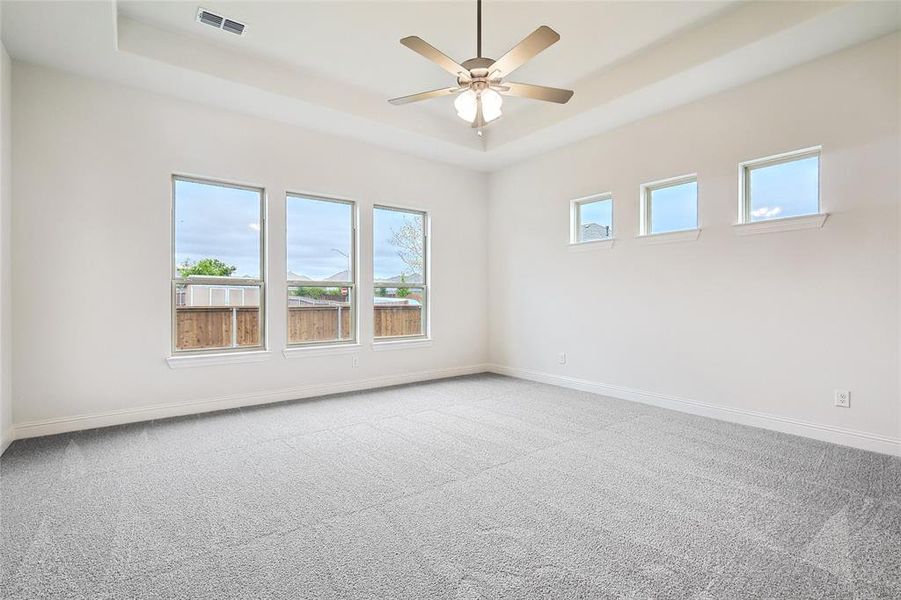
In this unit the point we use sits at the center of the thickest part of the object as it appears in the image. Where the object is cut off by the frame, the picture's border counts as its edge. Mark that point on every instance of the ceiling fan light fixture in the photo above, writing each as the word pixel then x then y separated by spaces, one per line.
pixel 480 81
pixel 491 105
pixel 467 105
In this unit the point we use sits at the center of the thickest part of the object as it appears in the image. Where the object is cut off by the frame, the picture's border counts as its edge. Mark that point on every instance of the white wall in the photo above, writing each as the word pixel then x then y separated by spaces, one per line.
pixel 898 187
pixel 766 323
pixel 769 323
pixel 92 209
pixel 5 248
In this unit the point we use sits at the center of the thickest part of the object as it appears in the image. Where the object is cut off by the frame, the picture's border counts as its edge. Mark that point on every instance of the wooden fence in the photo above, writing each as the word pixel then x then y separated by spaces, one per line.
pixel 392 320
pixel 199 327
pixel 318 323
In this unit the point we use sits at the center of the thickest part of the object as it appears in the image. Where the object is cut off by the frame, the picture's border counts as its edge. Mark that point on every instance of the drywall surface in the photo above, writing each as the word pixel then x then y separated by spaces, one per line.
pixel 769 323
pixel 5 250
pixel 92 234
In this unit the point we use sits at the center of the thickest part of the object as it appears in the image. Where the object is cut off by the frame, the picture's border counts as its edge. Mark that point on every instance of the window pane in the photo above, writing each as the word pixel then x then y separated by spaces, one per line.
pixel 398 311
pixel 595 220
pixel 216 316
pixel 217 230
pixel 674 208
pixel 318 314
pixel 398 246
pixel 320 239
pixel 787 189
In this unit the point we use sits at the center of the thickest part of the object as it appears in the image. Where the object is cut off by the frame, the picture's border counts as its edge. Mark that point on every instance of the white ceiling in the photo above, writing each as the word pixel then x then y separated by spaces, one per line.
pixel 331 66
pixel 357 42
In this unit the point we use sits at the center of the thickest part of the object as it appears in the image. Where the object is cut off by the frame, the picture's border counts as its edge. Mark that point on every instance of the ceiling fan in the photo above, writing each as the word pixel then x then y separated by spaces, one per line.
pixel 480 80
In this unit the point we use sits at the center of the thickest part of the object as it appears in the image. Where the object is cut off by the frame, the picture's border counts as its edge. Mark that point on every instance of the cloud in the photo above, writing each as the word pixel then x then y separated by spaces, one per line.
pixel 766 212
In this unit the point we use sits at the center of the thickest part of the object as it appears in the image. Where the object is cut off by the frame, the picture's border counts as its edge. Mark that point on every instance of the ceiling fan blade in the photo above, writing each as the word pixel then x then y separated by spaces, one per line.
pixel 420 46
pixel 534 43
pixel 426 95
pixel 536 92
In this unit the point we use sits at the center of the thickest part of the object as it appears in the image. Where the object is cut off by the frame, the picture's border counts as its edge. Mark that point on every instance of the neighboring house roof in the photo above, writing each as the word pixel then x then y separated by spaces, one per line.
pixel 381 300
pixel 406 278
pixel 340 276
pixel 345 276
pixel 595 231
pixel 302 301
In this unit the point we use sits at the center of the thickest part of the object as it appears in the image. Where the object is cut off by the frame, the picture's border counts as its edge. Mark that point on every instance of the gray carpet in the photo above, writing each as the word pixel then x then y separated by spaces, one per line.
pixel 476 487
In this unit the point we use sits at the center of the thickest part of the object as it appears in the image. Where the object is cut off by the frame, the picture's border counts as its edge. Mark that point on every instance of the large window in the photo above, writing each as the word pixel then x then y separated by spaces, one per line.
pixel 592 219
pixel 669 205
pixel 777 187
pixel 399 265
pixel 217 269
pixel 321 238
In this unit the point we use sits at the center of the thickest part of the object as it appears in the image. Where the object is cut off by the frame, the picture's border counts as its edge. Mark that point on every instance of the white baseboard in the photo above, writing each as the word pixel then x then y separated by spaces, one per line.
pixel 6 438
pixel 177 409
pixel 826 433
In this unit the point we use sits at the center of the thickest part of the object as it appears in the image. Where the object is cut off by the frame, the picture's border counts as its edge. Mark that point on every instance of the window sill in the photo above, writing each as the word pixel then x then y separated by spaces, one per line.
pixel 401 344
pixel 591 245
pixel 324 350
pixel 786 224
pixel 222 358
pixel 688 235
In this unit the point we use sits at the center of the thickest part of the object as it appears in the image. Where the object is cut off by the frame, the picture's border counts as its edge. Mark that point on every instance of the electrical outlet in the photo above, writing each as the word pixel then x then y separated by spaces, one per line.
pixel 355 361
pixel 843 398
pixel 562 358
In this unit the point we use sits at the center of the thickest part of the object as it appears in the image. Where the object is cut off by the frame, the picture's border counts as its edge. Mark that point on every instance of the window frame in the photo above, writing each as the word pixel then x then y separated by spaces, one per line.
pixel 426 276
pixel 575 217
pixel 354 289
pixel 744 182
pixel 645 204
pixel 176 280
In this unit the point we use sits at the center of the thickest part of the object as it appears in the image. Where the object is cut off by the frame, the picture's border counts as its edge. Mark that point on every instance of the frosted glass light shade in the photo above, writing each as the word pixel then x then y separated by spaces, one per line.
pixel 491 105
pixel 467 105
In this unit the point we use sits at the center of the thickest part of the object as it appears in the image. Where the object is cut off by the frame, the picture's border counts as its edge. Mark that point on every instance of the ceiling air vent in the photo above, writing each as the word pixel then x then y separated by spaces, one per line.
pixel 219 22
pixel 233 26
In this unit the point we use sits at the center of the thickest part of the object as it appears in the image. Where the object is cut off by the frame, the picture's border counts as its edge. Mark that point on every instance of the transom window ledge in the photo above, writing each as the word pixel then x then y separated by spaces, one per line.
pixel 222 358
pixel 379 346
pixel 324 350
pixel 686 235
pixel 787 224
pixel 592 245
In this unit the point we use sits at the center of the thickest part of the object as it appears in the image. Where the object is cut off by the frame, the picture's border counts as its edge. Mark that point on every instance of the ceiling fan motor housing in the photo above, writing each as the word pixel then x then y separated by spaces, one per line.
pixel 478 72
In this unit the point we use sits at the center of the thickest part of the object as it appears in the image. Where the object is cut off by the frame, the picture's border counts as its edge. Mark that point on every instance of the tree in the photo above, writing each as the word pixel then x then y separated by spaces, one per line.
pixel 407 241
pixel 309 292
pixel 383 292
pixel 402 292
pixel 209 267
pixel 318 293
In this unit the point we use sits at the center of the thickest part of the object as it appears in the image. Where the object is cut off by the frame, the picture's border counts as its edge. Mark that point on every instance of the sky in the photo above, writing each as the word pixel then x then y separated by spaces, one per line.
pixel 674 208
pixel 221 222
pixel 386 262
pixel 600 212
pixel 319 237
pixel 785 190
pixel 782 190
pixel 213 221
